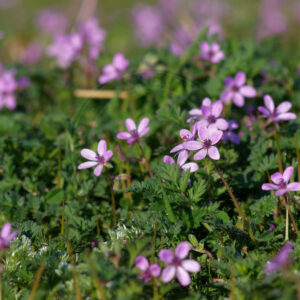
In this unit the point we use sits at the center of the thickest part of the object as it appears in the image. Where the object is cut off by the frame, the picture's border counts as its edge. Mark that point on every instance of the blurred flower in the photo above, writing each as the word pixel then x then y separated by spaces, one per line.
pixel 148 24
pixel 99 159
pixel 186 136
pixel 277 114
pixel 280 260
pixel 181 161
pixel 177 264
pixel 236 89
pixel 52 22
pixel 32 54
pixel 65 49
pixel 212 52
pixel 23 82
pixel 134 135
pixel 93 36
pixel 229 135
pixel 115 70
pixel 6 236
pixel 148 271
pixel 281 181
pixel 8 86
pixel 272 227
pixel 210 115
pixel 208 137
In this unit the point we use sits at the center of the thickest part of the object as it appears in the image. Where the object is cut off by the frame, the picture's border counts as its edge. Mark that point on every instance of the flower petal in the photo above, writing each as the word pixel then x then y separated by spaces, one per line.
pixel 182 250
pixel 183 276
pixel 145 131
pixel 155 270
pixel 5 231
pixel 87 164
pixel 264 111
pixel 293 186
pixel 166 256
pixel 216 108
pixel 213 153
pixel 200 154
pixel 108 155
pixel 226 95
pixel 286 117
pixel 192 145
pixel 168 273
pixel 280 192
pixel 130 125
pixel 287 174
pixel 168 160
pixel 123 135
pixel 143 124
pixel 88 154
pixel 283 107
pixel 240 78
pixel 193 167
pixel 269 103
pixel 141 263
pixel 98 170
pixel 185 134
pixel 182 157
pixel 214 135
pixel 276 177
pixel 248 91
pixel 191 265
pixel 203 133
pixel 269 187
pixel 196 112
pixel 177 148
pixel 204 47
pixel 101 147
pixel 238 99
pixel 222 124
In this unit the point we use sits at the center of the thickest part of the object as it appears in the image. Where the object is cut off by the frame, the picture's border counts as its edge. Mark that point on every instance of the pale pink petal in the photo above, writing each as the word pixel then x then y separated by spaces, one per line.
pixel 123 135
pixel 108 155
pixel 191 265
pixel 287 116
pixel 182 250
pixel 185 134
pixel 98 170
pixel 13 235
pixel 283 107
pixel 101 147
pixel 229 82
pixel 269 103
pixel 215 47
pixel 192 145
pixel 238 99
pixel 293 186
pixel 248 91
pixel 203 133
pixel 216 108
pixel 287 174
pixel 215 136
pixel 155 270
pixel 130 125
pixel 195 111
pixel 280 192
pixel 204 47
pixel 87 164
pixel 200 154
pixel 182 157
pixel 5 231
pixel 206 102
pixel 240 78
pixel 227 95
pixel 264 111
pixel 168 273
pixel 141 263
pixel 143 124
pixel 269 187
pixel 166 256
pixel 183 276
pixel 145 131
pixel 276 177
pixel 222 124
pixel 218 57
pixel 88 154
pixel 120 62
pixel 168 160
pixel 193 167
pixel 213 153
pixel 177 148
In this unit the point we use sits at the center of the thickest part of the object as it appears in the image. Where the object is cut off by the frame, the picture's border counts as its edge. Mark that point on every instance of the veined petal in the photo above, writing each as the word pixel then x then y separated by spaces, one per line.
pixel 280 192
pixel 191 265
pixel 88 154
pixel 269 103
pixel 248 91
pixel 269 187
pixel 168 273
pixel 287 116
pixel 87 164
pixel 108 155
pixel 101 147
pixel 293 186
pixel 141 263
pixel 214 135
pixel 123 135
pixel 222 124
pixel 185 134
pixel 143 124
pixel 283 107
pixel 196 112
pixel 216 108
pixel 264 111
pixel 130 125
pixel 276 177
pixel 218 56
pixel 155 270
pixel 213 153
pixel 203 133
pixel 226 95
pixel 240 78
pixel 200 154
pixel 177 148
pixel 182 250
pixel 182 157
pixel 168 160
pixel 192 145
pixel 238 99
pixel 98 170
pixel 145 131
pixel 183 276
pixel 5 231
pixel 193 167
pixel 287 174
pixel 166 256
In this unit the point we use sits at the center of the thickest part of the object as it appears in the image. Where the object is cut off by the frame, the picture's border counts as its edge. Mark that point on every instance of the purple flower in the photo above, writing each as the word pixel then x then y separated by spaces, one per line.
pixel 65 49
pixel 8 86
pixel 229 135
pixel 281 182
pixel 96 159
pixel 32 54
pixel 208 137
pixel 272 227
pixel 280 260
pixel 210 115
pixel 196 113
pixel 115 70
pixel 212 52
pixel 186 136
pixel 148 271
pixel 134 135
pixel 6 236
pixel 181 161
pixel 277 114
pixel 236 89
pixel 177 264
pixel 52 22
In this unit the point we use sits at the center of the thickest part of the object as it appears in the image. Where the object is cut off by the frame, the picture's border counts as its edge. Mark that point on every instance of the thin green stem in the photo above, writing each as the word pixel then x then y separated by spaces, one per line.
pixel 113 200
pixel 36 282
pixel 286 222
pixel 145 161
pixel 298 155
pixel 291 215
pixel 236 204
pixel 278 148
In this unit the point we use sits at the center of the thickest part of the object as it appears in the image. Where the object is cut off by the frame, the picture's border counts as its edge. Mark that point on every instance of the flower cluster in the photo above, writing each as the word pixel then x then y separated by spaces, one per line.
pixel 8 87
pixel 177 265
pixel 211 53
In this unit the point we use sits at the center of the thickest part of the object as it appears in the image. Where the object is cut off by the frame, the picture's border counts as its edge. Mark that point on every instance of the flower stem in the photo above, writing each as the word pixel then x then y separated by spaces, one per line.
pixel 298 156
pixel 154 241
pixel 291 215
pixel 37 281
pixel 286 222
pixel 113 199
pixel 146 163
pixel 236 204
pixel 278 148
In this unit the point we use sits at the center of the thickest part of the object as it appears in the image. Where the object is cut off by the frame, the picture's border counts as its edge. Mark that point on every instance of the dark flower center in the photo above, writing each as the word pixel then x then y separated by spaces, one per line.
pixel 235 89
pixel 100 159
pixel 207 144
pixel 211 119
pixel 176 262
pixel 210 54
pixel 282 184
pixel 134 134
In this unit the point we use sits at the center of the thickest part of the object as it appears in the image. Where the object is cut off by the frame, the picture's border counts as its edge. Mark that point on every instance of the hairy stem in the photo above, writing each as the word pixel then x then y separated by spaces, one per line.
pixel 286 222
pixel 146 163
pixel 113 199
pixel 278 148
pixel 298 156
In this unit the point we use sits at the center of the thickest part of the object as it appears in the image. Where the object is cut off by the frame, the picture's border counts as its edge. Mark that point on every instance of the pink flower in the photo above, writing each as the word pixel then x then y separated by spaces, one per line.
pixel 182 158
pixel 96 159
pixel 236 89
pixel 280 182
pixel 177 264
pixel 208 137
pixel 6 236
pixel 210 115
pixel 196 113
pixel 134 135
pixel 229 135
pixel 212 52
pixel 148 271
pixel 185 135
pixel 8 86
pixel 277 114
pixel 115 70
pixel 52 22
